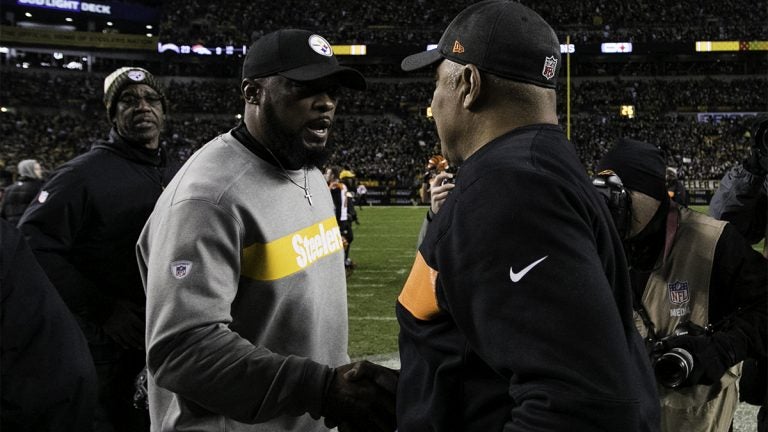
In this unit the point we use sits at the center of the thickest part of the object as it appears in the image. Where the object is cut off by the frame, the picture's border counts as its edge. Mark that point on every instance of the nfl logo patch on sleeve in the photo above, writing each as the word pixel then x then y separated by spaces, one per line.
pixel 180 269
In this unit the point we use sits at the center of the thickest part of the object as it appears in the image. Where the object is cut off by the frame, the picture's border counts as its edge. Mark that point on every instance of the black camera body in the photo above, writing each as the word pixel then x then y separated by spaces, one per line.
pixel 617 197
pixel 672 366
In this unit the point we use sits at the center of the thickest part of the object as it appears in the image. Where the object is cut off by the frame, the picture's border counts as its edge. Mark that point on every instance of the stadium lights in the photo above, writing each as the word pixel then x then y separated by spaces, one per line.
pixel 149 27
pixel 28 15
pixel 3 109
pixel 109 23
pixel 68 19
pixel 149 35
pixel 239 116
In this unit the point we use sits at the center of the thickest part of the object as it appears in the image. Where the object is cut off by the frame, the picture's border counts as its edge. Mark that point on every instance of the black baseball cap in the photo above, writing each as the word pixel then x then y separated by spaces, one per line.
pixel 299 55
pixel 639 165
pixel 500 37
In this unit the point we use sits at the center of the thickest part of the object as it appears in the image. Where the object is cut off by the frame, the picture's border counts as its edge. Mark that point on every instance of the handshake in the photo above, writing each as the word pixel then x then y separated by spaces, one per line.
pixel 361 397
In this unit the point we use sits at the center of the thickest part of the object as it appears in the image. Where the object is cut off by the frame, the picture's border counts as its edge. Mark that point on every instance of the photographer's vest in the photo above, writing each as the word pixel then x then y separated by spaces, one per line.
pixel 676 292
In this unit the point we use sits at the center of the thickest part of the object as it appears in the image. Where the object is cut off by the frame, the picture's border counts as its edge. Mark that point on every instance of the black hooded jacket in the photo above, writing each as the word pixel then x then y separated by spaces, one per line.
pixel 85 222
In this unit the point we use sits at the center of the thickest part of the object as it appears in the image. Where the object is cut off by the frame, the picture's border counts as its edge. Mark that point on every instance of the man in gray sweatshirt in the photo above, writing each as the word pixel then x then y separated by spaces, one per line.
pixel 243 265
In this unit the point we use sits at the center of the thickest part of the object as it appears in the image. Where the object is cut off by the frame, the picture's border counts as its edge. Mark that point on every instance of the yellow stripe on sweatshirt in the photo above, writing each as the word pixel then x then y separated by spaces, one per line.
pixel 291 253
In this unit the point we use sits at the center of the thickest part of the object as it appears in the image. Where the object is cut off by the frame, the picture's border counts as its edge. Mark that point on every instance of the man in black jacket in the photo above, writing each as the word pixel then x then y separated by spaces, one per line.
pixel 83 228
pixel 18 195
pixel 47 375
pixel 742 200
pixel 517 314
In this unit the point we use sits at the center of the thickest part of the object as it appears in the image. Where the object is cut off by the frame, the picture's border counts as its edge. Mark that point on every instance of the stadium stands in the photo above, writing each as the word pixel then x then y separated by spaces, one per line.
pixel 383 134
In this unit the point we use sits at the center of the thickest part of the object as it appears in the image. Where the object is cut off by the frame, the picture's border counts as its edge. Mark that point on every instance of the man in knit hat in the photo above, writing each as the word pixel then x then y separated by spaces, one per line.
pixel 83 227
pixel 517 313
pixel 700 296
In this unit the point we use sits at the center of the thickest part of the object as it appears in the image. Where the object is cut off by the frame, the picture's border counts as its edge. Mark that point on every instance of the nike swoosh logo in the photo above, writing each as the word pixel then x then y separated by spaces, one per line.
pixel 519 275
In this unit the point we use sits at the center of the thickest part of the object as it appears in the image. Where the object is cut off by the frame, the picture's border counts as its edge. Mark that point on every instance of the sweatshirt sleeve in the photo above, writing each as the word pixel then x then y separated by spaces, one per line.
pixel 190 260
pixel 741 200
pixel 526 286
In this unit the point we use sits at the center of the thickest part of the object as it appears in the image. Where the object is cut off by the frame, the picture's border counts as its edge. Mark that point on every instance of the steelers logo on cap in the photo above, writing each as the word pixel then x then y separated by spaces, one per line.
pixel 320 45
pixel 136 75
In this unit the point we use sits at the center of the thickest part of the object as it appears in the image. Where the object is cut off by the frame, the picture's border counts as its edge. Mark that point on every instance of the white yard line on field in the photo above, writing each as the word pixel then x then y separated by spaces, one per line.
pixel 398 271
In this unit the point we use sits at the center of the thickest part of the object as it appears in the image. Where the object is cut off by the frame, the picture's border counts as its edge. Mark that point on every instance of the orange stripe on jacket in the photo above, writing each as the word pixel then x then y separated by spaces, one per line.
pixel 418 295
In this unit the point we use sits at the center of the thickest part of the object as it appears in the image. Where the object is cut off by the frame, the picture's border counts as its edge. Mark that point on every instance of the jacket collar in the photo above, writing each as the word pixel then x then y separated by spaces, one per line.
pixel 122 147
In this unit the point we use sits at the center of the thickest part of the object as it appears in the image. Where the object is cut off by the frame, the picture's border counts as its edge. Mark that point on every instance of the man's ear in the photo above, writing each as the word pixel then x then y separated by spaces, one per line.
pixel 471 86
pixel 252 91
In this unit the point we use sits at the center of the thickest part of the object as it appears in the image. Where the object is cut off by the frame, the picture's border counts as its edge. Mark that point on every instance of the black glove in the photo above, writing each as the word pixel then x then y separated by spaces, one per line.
pixel 361 397
pixel 712 356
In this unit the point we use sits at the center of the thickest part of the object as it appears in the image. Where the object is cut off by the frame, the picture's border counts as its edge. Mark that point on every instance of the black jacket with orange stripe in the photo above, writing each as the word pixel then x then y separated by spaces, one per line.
pixel 517 314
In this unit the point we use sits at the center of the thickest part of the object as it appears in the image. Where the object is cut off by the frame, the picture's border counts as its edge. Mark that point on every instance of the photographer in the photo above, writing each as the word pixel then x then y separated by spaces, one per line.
pixel 742 199
pixel 699 291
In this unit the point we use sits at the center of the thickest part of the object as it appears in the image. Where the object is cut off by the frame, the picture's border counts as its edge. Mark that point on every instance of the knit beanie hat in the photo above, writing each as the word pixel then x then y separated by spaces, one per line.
pixel 117 81
pixel 639 165
pixel 27 168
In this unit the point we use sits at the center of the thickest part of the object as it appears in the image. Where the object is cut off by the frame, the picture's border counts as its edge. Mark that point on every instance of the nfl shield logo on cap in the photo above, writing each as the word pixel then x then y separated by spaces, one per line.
pixel 550 65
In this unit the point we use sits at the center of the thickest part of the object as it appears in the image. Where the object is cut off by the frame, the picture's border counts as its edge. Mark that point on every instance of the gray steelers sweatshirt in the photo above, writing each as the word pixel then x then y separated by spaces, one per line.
pixel 246 295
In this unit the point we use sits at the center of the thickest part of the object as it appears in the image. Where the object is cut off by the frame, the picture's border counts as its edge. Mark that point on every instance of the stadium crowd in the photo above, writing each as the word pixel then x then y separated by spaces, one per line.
pixel 346 21
pixel 382 134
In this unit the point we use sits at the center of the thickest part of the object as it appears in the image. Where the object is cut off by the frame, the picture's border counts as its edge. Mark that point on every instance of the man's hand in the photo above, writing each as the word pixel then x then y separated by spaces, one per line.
pixel 361 397
pixel 710 354
pixel 126 325
pixel 439 188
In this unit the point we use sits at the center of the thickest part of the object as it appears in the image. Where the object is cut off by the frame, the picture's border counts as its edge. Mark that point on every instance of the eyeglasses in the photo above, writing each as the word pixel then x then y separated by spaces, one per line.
pixel 135 100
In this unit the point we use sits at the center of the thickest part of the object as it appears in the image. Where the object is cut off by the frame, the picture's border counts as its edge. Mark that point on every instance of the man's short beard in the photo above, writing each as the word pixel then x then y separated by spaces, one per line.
pixel 291 150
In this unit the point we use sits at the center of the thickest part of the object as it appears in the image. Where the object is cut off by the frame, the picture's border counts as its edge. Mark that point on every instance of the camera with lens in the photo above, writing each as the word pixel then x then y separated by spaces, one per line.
pixel 610 186
pixel 672 366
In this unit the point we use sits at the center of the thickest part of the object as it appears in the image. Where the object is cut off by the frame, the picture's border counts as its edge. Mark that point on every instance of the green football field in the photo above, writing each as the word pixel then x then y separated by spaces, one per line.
pixel 383 252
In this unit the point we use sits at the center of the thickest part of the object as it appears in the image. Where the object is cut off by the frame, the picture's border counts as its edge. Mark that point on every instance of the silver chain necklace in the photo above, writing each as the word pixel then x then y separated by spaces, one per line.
pixel 305 188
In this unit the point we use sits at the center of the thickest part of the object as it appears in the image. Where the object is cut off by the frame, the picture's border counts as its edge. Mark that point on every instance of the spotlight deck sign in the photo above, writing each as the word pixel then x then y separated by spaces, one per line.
pixel 116 10
pixel 68 5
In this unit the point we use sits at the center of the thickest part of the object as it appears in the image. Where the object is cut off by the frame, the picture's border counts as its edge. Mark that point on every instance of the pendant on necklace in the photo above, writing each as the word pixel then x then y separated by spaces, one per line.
pixel 308 196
